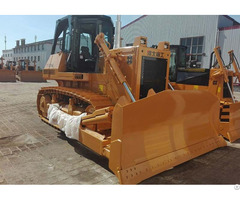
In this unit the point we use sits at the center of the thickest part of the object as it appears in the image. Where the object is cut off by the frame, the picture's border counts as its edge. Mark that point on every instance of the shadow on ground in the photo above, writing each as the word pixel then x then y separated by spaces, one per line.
pixel 85 151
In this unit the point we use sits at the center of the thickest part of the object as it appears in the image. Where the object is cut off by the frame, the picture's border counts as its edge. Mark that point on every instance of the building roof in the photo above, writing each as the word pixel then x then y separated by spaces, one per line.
pixel 235 23
pixel 230 28
pixel 50 41
pixel 233 20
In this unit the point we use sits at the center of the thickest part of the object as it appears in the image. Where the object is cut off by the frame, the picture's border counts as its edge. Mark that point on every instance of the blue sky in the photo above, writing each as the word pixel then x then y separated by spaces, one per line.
pixel 17 27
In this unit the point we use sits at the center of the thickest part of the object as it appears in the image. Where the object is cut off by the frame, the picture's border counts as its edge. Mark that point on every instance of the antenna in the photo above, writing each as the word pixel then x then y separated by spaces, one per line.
pixel 5 40
pixel 35 38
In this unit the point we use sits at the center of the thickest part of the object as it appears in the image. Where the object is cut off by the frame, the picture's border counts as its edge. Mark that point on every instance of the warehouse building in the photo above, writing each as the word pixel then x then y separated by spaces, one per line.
pixel 7 55
pixel 200 33
pixel 37 51
pixel 230 39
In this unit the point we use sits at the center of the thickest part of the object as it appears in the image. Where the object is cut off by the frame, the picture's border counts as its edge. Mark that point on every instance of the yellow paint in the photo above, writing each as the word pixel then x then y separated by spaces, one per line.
pixel 100 87
pixel 195 87
pixel 219 89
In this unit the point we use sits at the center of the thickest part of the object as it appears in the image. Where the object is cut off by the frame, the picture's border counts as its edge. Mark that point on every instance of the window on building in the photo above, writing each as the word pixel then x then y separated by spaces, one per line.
pixel 38 58
pixel 194 50
pixel 38 47
pixel 42 46
pixel 34 47
pixel 34 58
pixel 31 58
pixel 129 44
pixel 28 58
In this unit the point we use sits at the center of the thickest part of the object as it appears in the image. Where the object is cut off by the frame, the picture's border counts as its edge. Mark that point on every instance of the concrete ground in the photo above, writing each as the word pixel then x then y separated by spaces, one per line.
pixel 32 152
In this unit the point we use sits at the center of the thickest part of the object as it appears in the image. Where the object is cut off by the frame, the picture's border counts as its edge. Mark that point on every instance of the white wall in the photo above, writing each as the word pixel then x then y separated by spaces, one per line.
pixel 7 55
pixel 44 54
pixel 230 40
pixel 173 27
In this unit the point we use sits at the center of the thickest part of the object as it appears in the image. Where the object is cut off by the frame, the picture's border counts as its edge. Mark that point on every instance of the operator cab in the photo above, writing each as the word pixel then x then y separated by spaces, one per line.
pixel 177 60
pixel 10 63
pixel 22 65
pixel 75 36
pixel 180 73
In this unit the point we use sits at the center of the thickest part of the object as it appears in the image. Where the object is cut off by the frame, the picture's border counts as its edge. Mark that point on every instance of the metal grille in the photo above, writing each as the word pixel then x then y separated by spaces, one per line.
pixel 153 75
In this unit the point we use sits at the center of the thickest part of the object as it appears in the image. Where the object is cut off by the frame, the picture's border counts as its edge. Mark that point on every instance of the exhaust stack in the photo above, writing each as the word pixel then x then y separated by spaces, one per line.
pixel 117 40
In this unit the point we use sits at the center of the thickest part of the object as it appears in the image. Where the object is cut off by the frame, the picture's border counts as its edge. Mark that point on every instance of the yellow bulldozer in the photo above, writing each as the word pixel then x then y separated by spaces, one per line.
pixel 27 73
pixel 117 102
pixel 217 79
pixel 7 73
pixel 11 65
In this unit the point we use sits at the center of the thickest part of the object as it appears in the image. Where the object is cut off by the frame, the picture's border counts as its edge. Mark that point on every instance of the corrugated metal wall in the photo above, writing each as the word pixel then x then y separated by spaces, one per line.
pixel 230 40
pixel 173 27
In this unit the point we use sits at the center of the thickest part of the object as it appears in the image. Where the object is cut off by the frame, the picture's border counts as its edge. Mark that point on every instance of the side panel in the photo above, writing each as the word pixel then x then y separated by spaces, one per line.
pixel 234 122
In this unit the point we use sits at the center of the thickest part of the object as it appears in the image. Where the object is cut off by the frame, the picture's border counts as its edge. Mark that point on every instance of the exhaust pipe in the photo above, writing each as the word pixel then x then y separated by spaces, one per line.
pixel 117 38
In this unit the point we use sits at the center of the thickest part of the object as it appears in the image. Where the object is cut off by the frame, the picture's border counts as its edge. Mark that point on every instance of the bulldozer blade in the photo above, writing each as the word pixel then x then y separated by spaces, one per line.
pixel 161 131
pixel 234 122
pixel 31 76
pixel 7 76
